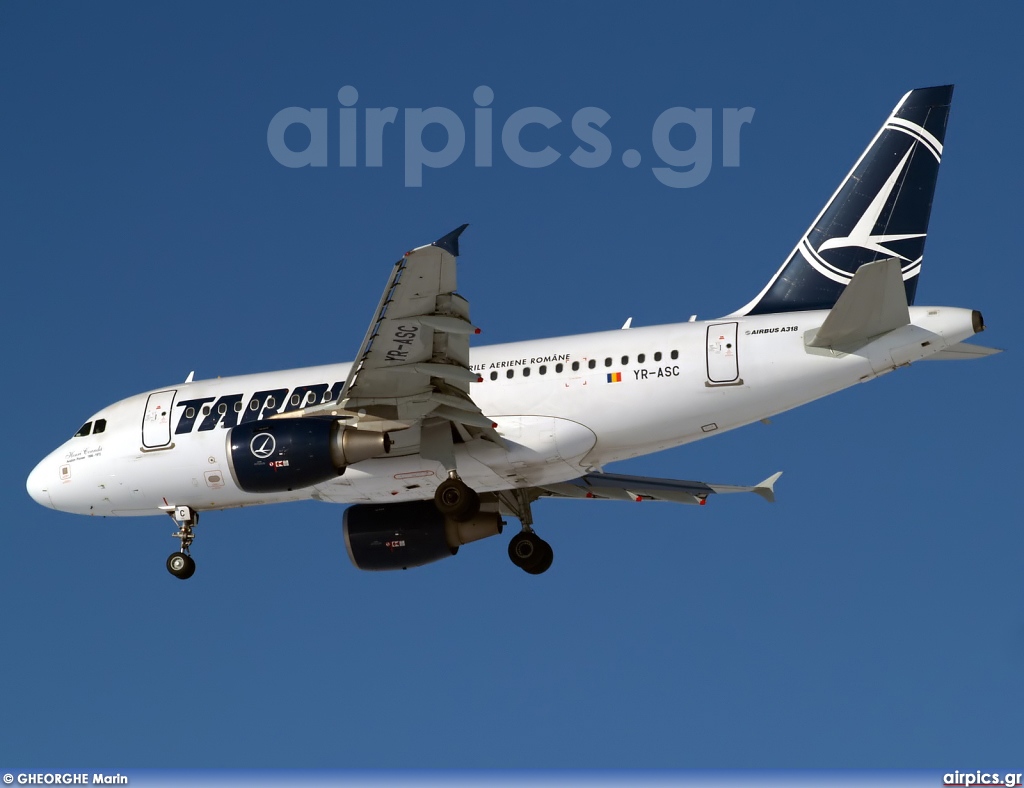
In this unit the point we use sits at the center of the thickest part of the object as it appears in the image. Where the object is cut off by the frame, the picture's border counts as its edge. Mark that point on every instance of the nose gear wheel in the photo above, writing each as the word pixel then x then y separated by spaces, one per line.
pixel 181 564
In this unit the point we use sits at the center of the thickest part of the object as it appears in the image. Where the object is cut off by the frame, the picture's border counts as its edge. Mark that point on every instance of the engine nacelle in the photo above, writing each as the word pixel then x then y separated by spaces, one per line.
pixel 279 455
pixel 403 535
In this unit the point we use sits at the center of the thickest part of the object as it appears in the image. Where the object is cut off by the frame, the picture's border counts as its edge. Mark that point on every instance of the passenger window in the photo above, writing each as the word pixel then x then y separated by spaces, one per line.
pixel 238 406
pixel 206 410
pixel 494 376
pixel 509 374
pixel 222 408
pixel 592 363
pixel 254 404
pixel 101 425
pixel 575 366
pixel 310 397
pixel 526 372
pixel 675 354
pixel 559 367
pixel 625 360
pixel 85 430
pixel 657 356
pixel 190 413
pixel 295 400
pixel 640 358
pixel 271 403
pixel 607 362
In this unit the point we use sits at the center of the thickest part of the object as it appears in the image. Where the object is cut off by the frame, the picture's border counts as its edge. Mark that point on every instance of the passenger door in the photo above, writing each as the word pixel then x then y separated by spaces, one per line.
pixel 156 423
pixel 723 360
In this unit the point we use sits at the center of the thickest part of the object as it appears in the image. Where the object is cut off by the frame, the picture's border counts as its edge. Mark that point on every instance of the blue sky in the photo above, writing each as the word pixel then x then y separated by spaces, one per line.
pixel 872 617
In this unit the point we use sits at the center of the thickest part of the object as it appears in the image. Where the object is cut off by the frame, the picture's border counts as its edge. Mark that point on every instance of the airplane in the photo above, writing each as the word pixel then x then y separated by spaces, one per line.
pixel 433 444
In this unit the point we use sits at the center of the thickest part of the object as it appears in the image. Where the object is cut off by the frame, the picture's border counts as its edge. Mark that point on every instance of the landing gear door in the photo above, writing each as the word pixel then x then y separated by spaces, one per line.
pixel 723 360
pixel 156 423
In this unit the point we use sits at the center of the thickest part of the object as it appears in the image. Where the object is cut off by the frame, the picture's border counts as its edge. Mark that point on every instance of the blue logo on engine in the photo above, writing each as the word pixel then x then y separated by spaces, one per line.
pixel 262 445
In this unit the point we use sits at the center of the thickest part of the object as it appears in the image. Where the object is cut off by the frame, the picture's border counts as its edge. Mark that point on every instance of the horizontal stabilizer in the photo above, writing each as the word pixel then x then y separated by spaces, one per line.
pixel 962 351
pixel 874 303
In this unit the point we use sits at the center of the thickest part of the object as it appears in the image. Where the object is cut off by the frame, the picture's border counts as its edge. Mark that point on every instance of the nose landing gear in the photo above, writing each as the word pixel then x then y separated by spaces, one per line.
pixel 180 564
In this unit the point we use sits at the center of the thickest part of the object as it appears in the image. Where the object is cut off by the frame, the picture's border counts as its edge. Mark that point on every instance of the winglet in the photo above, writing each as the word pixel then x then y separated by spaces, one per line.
pixel 766 489
pixel 450 242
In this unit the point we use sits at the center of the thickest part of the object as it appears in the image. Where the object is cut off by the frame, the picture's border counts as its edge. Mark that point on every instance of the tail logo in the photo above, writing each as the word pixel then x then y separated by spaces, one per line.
pixel 861 235
pixel 880 211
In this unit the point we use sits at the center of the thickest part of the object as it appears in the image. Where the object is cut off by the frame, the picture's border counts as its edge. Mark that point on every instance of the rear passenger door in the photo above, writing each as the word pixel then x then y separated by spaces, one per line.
pixel 723 360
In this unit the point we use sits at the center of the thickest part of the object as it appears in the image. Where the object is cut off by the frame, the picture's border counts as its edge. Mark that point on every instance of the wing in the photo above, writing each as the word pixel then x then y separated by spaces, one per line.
pixel 413 364
pixel 614 487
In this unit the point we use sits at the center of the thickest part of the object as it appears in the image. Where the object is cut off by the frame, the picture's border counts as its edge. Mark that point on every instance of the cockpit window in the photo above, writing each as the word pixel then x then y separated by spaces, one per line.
pixel 86 429
pixel 101 424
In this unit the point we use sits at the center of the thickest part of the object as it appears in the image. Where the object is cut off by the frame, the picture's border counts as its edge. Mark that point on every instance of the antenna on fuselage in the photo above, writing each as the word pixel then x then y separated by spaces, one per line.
pixel 190 376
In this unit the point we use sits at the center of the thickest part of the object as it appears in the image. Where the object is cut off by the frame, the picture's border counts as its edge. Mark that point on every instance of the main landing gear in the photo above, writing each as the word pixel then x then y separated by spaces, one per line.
pixel 527 550
pixel 530 553
pixel 180 564
pixel 455 499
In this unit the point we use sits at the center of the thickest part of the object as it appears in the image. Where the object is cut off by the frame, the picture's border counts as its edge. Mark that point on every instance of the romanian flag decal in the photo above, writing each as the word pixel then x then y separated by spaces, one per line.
pixel 614 377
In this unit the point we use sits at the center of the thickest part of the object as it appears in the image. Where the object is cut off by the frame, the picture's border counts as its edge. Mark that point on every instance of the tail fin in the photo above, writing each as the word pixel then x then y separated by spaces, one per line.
pixel 880 210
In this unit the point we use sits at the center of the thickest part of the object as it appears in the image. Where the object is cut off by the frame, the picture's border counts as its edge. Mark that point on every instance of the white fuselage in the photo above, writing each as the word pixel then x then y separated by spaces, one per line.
pixel 564 406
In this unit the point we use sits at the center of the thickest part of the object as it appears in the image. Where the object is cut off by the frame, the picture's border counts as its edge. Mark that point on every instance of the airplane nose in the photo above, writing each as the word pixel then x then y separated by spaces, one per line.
pixel 38 483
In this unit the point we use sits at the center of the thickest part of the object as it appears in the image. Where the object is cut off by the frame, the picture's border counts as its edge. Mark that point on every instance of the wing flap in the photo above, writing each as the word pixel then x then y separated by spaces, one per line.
pixel 439 370
pixel 617 487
